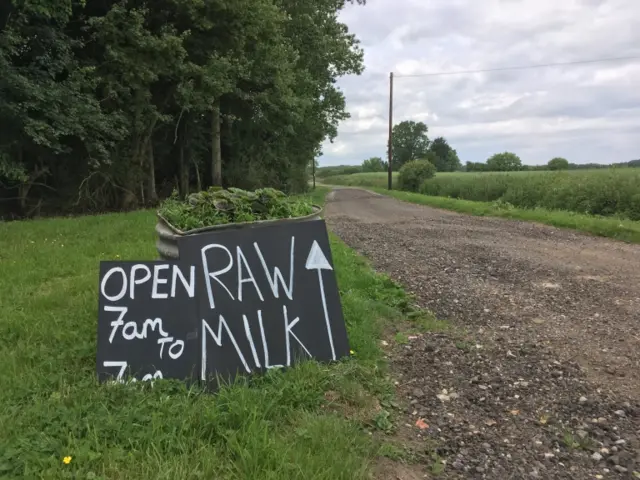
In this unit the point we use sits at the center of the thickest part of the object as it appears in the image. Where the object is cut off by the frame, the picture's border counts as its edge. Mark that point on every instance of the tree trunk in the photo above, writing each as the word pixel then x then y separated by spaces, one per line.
pixel 127 199
pixel 183 184
pixel 24 188
pixel 198 179
pixel 152 194
pixel 141 185
pixel 216 153
pixel 136 182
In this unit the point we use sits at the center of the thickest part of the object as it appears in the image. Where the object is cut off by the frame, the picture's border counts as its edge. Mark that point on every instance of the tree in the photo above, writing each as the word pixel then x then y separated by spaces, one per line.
pixel 558 163
pixel 504 162
pixel 48 108
pixel 446 158
pixel 410 142
pixel 106 104
pixel 374 164
pixel 476 167
pixel 454 161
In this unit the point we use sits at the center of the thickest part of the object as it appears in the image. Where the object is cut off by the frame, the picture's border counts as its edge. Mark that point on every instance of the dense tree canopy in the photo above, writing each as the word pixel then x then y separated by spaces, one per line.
pixel 504 162
pixel 109 104
pixel 558 163
pixel 374 164
pixel 446 158
pixel 410 142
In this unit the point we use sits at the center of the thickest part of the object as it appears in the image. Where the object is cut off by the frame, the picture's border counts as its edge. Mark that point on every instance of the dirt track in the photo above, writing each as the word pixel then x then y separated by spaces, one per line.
pixel 548 385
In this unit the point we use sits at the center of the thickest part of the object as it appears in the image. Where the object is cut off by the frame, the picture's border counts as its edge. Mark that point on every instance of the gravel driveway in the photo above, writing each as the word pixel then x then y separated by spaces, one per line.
pixel 546 383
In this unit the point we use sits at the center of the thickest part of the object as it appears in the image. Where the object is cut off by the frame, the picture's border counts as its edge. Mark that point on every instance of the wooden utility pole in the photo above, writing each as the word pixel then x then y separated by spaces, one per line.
pixel 314 173
pixel 390 149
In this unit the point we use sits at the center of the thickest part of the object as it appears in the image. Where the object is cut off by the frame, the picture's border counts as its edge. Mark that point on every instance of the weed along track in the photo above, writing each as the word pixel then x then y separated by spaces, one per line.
pixel 539 374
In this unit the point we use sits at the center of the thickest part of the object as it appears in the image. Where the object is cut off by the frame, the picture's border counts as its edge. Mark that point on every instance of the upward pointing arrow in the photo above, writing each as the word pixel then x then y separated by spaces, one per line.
pixel 318 261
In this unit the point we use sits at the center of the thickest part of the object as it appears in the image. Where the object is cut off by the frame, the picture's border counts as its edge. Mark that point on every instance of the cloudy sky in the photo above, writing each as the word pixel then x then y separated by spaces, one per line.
pixel 586 113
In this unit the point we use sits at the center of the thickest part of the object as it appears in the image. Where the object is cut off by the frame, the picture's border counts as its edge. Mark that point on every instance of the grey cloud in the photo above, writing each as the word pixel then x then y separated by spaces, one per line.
pixel 595 107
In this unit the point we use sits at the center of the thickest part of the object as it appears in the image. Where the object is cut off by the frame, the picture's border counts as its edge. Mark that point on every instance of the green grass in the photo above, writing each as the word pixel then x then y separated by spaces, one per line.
pixel 377 179
pixel 277 426
pixel 611 226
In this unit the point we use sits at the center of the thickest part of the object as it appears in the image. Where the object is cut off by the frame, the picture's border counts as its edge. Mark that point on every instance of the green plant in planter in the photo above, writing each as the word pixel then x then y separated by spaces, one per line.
pixel 217 206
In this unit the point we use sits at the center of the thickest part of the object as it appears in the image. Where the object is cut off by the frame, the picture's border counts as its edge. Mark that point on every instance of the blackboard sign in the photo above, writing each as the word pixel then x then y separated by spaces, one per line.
pixel 237 301
pixel 147 321
pixel 270 298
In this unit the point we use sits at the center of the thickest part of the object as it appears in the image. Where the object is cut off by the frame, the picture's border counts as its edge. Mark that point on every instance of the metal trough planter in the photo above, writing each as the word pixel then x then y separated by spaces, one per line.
pixel 168 235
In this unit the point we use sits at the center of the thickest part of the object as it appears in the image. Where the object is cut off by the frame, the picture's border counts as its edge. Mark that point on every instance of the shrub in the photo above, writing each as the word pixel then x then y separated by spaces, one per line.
pixel 413 174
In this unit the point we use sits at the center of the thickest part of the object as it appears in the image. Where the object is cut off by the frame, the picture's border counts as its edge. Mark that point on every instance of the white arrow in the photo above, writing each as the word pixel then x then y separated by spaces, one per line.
pixel 317 261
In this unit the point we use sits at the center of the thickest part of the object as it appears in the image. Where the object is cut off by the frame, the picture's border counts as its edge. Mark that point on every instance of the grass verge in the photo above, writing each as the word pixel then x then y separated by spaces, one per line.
pixel 612 227
pixel 310 422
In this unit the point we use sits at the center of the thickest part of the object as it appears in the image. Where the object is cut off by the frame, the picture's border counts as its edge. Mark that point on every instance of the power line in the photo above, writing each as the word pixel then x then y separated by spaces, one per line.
pixel 523 67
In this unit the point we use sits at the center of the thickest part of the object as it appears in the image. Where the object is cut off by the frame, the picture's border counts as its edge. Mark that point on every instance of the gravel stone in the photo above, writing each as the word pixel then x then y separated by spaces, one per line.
pixel 568 373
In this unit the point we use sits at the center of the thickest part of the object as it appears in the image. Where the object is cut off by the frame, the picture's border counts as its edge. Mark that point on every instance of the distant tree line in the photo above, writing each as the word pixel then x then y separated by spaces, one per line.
pixel 508 161
pixel 323 172
pixel 410 142
pixel 498 162
pixel 111 104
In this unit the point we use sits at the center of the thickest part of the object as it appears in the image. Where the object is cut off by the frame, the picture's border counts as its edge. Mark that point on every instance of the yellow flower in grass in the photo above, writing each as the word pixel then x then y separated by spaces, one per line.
pixel 66 460
pixel 352 352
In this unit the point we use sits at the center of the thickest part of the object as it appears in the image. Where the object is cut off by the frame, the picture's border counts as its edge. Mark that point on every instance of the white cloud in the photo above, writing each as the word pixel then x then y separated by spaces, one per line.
pixel 587 113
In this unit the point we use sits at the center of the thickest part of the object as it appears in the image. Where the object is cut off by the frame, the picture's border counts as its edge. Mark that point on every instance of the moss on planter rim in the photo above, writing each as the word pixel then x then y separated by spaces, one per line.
pixel 217 207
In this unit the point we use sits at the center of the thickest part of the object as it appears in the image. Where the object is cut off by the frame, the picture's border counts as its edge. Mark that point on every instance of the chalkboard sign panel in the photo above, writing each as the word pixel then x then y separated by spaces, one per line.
pixel 267 297
pixel 148 321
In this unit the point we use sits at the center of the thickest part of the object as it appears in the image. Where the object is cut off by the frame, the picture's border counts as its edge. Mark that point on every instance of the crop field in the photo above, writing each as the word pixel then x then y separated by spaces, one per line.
pixel 605 192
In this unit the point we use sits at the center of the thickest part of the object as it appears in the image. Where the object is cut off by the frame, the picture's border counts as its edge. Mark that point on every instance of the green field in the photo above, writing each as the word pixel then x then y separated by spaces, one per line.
pixel 606 192
pixel 602 202
pixel 378 179
pixel 278 426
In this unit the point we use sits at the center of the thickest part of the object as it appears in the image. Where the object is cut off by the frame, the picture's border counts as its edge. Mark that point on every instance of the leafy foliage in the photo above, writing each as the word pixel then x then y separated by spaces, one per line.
pixel 217 207
pixel 410 142
pixel 504 162
pixel 476 167
pixel 558 163
pixel 112 104
pixel 413 174
pixel 374 164
pixel 446 158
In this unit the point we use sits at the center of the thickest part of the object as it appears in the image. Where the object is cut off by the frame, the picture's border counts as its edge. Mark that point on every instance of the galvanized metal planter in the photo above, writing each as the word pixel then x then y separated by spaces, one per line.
pixel 168 235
